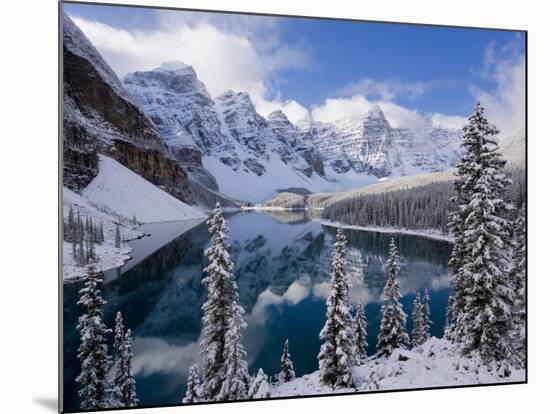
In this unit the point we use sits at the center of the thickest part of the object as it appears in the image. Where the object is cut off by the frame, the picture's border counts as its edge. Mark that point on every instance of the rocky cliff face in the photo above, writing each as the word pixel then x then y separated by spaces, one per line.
pixel 292 144
pixel 370 145
pixel 184 113
pixel 226 130
pixel 238 144
pixel 99 116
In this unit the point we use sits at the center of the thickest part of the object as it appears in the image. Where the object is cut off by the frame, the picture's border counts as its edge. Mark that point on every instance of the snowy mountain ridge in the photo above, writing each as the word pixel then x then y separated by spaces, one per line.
pixel 239 143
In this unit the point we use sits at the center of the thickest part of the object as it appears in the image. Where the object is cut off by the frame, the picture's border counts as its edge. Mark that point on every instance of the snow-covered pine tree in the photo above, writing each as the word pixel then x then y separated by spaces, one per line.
pixel 260 387
pixel 81 254
pixel 128 387
pixel 418 336
pixel 194 390
pixel 79 227
pixel 70 230
pixel 93 351
pixel 393 332
pixel 96 233
pixel 449 318
pixel 117 235
pixel 483 295
pixel 427 314
pixel 101 233
pixel 119 362
pixel 463 186
pixel 75 251
pixel 337 355
pixel 217 310
pixel 517 276
pixel 360 328
pixel 287 367
pixel 90 252
pixel 236 380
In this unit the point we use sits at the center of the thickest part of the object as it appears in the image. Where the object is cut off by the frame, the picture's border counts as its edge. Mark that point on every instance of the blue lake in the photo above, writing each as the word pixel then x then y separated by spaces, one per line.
pixel 282 266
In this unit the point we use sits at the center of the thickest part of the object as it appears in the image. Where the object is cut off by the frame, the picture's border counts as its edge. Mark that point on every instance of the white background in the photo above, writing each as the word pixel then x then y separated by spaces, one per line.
pixel 28 174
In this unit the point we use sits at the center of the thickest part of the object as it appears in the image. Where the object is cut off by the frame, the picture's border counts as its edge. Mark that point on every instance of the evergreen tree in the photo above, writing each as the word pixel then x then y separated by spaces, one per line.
pixel 93 352
pixel 75 251
pixel 117 236
pixel 337 354
pixel 128 386
pixel 235 382
pixel 79 228
pixel 101 233
pixel 483 295
pixel 120 361
pixel 517 277
pixel 419 324
pixel 260 387
pixel 287 367
pixel 360 328
pixel 194 391
pixel 393 332
pixel 70 231
pixel 134 219
pixel 217 310
pixel 81 255
pixel 427 314
pixel 90 252
pixel 449 318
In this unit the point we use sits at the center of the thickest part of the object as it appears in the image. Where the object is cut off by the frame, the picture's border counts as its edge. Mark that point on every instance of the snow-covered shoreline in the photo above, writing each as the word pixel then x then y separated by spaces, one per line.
pixel 437 363
pixel 429 234
pixel 118 198
pixel 273 208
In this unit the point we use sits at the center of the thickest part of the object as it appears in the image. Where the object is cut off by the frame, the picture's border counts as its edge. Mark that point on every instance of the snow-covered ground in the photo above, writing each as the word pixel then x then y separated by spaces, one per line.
pixel 120 191
pixel 108 255
pixel 435 364
pixel 428 233
pixel 116 195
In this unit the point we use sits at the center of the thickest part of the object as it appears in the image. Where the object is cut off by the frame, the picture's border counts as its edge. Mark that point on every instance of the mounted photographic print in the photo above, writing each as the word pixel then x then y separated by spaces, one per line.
pixel 262 207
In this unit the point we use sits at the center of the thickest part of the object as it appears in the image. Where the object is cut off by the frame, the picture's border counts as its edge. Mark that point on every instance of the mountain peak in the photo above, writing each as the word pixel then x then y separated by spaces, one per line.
pixel 277 115
pixel 375 112
pixel 240 97
pixel 177 67
pixel 76 42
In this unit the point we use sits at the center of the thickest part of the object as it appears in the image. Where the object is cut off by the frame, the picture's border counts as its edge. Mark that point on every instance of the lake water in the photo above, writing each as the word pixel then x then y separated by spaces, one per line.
pixel 282 263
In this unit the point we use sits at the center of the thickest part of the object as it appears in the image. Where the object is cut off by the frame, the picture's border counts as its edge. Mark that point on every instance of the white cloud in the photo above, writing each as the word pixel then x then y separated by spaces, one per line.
pixel 505 103
pixel 357 105
pixel 222 59
pixel 292 109
pixel 338 108
pixel 237 52
pixel 448 121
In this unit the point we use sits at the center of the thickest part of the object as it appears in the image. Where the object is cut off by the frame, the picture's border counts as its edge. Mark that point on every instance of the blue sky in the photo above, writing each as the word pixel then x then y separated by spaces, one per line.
pixel 298 64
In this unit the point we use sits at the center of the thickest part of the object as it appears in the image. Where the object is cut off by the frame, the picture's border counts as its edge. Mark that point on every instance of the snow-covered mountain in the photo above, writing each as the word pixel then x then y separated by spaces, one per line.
pixel 123 193
pixel 250 157
pixel 101 117
pixel 513 148
pixel 370 145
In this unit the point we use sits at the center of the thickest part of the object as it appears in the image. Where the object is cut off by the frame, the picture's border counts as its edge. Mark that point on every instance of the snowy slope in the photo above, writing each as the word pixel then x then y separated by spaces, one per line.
pixel 108 256
pixel 120 191
pixel 245 185
pixel 434 364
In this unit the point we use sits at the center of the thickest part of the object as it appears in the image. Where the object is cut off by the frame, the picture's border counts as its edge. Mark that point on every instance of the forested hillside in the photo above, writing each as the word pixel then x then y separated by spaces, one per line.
pixel 422 207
